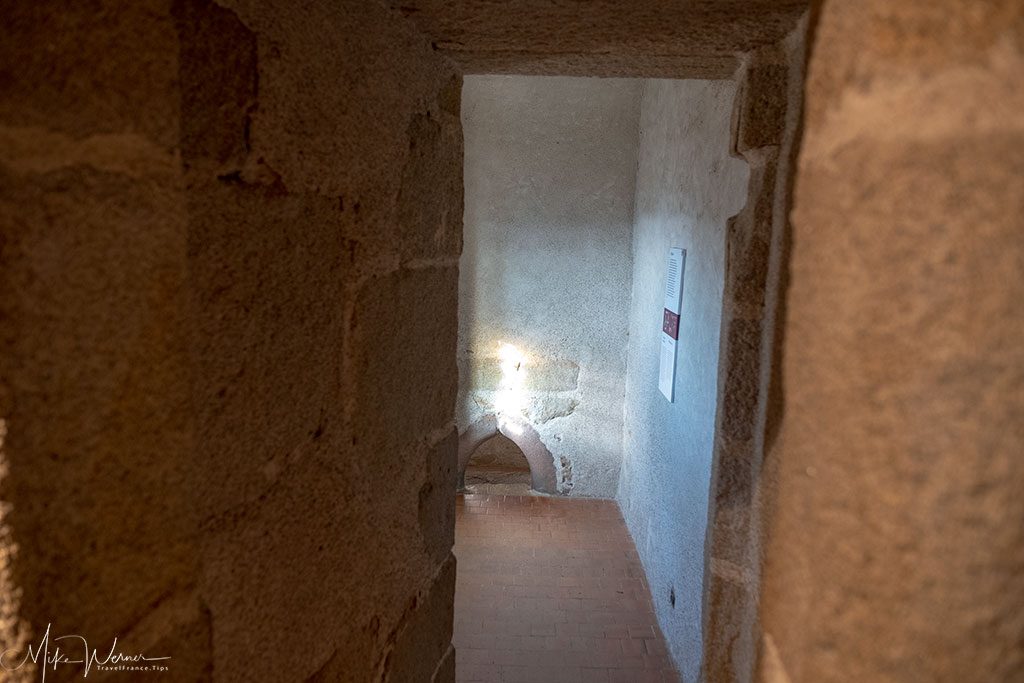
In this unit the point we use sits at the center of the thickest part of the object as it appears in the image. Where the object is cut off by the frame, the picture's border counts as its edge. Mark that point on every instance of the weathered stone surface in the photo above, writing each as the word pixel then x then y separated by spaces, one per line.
pixel 751 231
pixel 741 377
pixel 601 38
pixel 117 64
pixel 896 540
pixel 766 128
pixel 219 79
pixel 321 258
pixel 403 360
pixel 265 283
pixel 547 407
pixel 415 639
pixel 761 107
pixel 258 591
pixel 95 396
pixel 94 371
pixel 429 203
pixel 732 657
pixel 446 669
pixel 436 503
pixel 227 229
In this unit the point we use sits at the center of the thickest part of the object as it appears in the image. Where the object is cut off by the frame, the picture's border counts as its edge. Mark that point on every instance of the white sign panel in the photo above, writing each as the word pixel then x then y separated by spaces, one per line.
pixel 670 321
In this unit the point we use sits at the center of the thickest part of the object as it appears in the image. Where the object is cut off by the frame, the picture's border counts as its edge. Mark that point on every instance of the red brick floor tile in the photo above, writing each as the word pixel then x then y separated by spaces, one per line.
pixel 551 590
pixel 637 676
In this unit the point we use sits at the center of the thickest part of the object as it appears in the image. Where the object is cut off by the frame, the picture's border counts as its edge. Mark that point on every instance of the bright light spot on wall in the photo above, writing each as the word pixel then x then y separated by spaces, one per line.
pixel 511 358
pixel 509 402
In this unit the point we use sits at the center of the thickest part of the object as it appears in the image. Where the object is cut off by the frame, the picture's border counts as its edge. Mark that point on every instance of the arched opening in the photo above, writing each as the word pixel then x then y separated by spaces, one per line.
pixel 523 436
pixel 498 466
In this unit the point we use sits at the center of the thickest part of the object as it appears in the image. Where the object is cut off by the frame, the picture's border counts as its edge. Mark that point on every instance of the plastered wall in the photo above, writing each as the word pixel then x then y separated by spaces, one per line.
pixel 229 265
pixel 688 185
pixel 549 171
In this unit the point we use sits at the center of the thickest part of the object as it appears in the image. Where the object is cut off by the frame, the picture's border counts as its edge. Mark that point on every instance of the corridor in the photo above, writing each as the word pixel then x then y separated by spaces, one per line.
pixel 551 590
pixel 725 296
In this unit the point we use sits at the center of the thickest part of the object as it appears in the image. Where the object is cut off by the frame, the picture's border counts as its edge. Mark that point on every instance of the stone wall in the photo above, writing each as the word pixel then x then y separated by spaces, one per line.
pixel 94 370
pixel 896 545
pixel 229 260
pixel 550 172
pixel 766 132
pixel 687 187
pixel 654 39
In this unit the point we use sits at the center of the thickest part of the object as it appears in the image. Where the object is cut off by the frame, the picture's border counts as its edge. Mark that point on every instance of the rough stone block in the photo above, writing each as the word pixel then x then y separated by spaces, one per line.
pixel 402 363
pixel 429 220
pixel 106 68
pixel 264 578
pixel 898 455
pixel 543 408
pixel 422 640
pixel 763 104
pixel 653 39
pixel 218 82
pixel 437 500
pixel 552 375
pixel 731 609
pixel 267 284
pixel 740 390
pixel 95 390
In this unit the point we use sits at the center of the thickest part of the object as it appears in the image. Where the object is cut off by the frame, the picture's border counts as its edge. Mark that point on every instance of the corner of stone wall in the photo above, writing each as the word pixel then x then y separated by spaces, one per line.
pixel 765 124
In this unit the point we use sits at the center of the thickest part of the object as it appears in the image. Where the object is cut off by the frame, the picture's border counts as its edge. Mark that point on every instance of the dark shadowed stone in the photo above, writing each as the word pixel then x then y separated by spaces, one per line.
pixel 218 81
pixel 598 38
pixel 422 638
pixel 762 114
pixel 437 504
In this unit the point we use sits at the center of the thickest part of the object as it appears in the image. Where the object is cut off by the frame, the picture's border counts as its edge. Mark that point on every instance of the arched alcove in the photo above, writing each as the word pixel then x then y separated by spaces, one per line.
pixel 498 465
pixel 539 458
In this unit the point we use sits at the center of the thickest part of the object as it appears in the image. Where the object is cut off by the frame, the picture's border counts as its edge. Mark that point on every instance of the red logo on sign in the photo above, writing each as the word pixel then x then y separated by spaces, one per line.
pixel 670 324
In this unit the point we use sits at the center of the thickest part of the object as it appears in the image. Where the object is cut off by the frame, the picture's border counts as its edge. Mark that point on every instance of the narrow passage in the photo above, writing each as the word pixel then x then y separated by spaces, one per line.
pixel 551 590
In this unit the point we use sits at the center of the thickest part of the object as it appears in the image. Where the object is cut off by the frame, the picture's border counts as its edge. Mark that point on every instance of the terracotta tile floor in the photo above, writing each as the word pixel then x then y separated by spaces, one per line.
pixel 550 590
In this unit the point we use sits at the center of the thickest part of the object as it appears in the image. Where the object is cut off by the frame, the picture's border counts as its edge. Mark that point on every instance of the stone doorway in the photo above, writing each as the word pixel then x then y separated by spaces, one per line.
pixel 540 473
pixel 498 467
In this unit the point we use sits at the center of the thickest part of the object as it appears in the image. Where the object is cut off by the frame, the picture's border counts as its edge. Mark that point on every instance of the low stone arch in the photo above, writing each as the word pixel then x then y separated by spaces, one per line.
pixel 523 435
